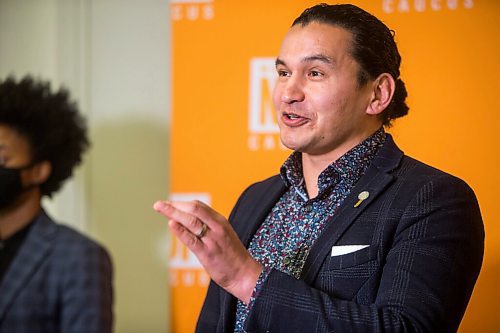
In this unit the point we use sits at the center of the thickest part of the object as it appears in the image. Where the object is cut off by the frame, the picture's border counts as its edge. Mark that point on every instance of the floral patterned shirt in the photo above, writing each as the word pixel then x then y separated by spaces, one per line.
pixel 285 238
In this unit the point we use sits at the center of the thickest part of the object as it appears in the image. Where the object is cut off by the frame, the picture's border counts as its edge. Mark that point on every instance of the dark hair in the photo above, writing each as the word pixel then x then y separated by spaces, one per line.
pixel 373 47
pixel 49 121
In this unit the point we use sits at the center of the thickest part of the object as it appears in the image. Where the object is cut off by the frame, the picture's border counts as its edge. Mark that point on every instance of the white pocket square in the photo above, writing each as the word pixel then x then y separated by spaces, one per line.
pixel 340 250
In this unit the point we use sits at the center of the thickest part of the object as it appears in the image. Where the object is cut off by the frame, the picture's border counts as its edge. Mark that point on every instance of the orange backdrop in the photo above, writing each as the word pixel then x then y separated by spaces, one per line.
pixel 224 134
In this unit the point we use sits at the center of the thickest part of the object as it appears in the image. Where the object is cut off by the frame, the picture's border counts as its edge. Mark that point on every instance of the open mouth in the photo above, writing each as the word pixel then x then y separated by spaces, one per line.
pixel 292 116
pixel 293 120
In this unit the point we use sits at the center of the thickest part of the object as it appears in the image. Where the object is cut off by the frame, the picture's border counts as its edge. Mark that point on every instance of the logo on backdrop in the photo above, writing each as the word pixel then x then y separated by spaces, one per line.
pixel 185 269
pixel 192 10
pixel 408 6
pixel 262 125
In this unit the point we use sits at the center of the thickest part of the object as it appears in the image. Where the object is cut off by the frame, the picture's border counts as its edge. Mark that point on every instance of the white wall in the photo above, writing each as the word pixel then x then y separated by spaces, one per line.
pixel 114 57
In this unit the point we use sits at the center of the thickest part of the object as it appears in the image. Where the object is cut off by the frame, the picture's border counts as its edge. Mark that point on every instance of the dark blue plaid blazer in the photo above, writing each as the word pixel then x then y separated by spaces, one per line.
pixel 426 242
pixel 60 281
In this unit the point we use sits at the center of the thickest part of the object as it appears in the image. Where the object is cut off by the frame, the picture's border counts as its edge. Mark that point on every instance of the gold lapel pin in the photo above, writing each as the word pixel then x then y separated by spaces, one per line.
pixel 361 197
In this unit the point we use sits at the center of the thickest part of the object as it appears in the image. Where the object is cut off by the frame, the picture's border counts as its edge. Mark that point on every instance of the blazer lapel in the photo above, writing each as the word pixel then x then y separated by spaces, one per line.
pixel 257 208
pixel 35 248
pixel 376 179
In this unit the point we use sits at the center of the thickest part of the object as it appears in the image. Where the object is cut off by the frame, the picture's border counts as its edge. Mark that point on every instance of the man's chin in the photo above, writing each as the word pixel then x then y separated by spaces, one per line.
pixel 290 144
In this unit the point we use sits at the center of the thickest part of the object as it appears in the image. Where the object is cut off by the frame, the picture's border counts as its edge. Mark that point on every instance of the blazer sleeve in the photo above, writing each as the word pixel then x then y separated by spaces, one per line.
pixel 86 288
pixel 426 277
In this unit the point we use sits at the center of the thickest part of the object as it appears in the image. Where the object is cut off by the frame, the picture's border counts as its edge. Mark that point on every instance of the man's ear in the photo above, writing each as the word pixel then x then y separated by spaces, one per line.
pixel 383 90
pixel 40 172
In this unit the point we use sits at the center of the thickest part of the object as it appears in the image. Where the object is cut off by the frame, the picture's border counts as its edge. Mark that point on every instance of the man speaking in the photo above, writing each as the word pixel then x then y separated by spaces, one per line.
pixel 352 235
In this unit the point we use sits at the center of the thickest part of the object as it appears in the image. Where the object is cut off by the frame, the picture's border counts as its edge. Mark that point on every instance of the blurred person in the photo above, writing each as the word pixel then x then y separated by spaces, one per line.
pixel 352 235
pixel 52 278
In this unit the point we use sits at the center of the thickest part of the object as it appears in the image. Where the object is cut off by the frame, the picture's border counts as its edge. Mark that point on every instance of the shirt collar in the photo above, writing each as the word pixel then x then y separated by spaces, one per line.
pixel 349 167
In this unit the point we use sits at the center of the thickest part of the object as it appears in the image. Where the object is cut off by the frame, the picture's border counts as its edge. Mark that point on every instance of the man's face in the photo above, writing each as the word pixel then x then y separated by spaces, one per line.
pixel 15 153
pixel 320 108
pixel 14 148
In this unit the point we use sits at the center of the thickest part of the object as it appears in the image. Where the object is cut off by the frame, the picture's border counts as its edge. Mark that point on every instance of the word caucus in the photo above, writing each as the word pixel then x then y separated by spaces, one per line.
pixel 404 6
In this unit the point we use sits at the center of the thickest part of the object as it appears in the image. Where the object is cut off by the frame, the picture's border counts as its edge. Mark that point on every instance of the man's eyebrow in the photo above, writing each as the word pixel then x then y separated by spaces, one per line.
pixel 278 61
pixel 316 57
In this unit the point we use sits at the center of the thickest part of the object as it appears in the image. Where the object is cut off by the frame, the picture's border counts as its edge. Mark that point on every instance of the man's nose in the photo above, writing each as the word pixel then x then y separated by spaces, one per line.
pixel 293 91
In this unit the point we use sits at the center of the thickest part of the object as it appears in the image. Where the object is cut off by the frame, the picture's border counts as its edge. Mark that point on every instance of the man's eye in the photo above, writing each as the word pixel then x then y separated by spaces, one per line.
pixel 283 73
pixel 315 73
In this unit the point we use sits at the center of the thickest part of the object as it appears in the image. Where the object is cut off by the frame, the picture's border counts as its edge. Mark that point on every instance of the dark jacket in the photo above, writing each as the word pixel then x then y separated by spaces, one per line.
pixel 60 281
pixel 426 243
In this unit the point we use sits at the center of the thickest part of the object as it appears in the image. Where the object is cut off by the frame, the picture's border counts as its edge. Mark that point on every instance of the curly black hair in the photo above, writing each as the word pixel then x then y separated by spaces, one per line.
pixel 51 123
pixel 373 47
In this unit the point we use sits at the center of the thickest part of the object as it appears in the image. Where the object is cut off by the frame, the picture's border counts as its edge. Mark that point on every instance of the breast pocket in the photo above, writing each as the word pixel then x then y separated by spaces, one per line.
pixel 343 275
pixel 348 256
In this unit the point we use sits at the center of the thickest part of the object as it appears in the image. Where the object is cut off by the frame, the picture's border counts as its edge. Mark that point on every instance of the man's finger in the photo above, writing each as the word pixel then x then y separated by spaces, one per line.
pixel 189 221
pixel 192 242
pixel 202 211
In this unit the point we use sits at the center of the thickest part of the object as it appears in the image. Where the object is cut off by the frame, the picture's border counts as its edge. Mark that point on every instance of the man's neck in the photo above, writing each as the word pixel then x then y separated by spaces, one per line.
pixel 18 215
pixel 313 165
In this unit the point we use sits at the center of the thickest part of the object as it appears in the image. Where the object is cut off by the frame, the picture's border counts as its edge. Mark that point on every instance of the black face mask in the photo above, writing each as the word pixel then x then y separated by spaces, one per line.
pixel 10 185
